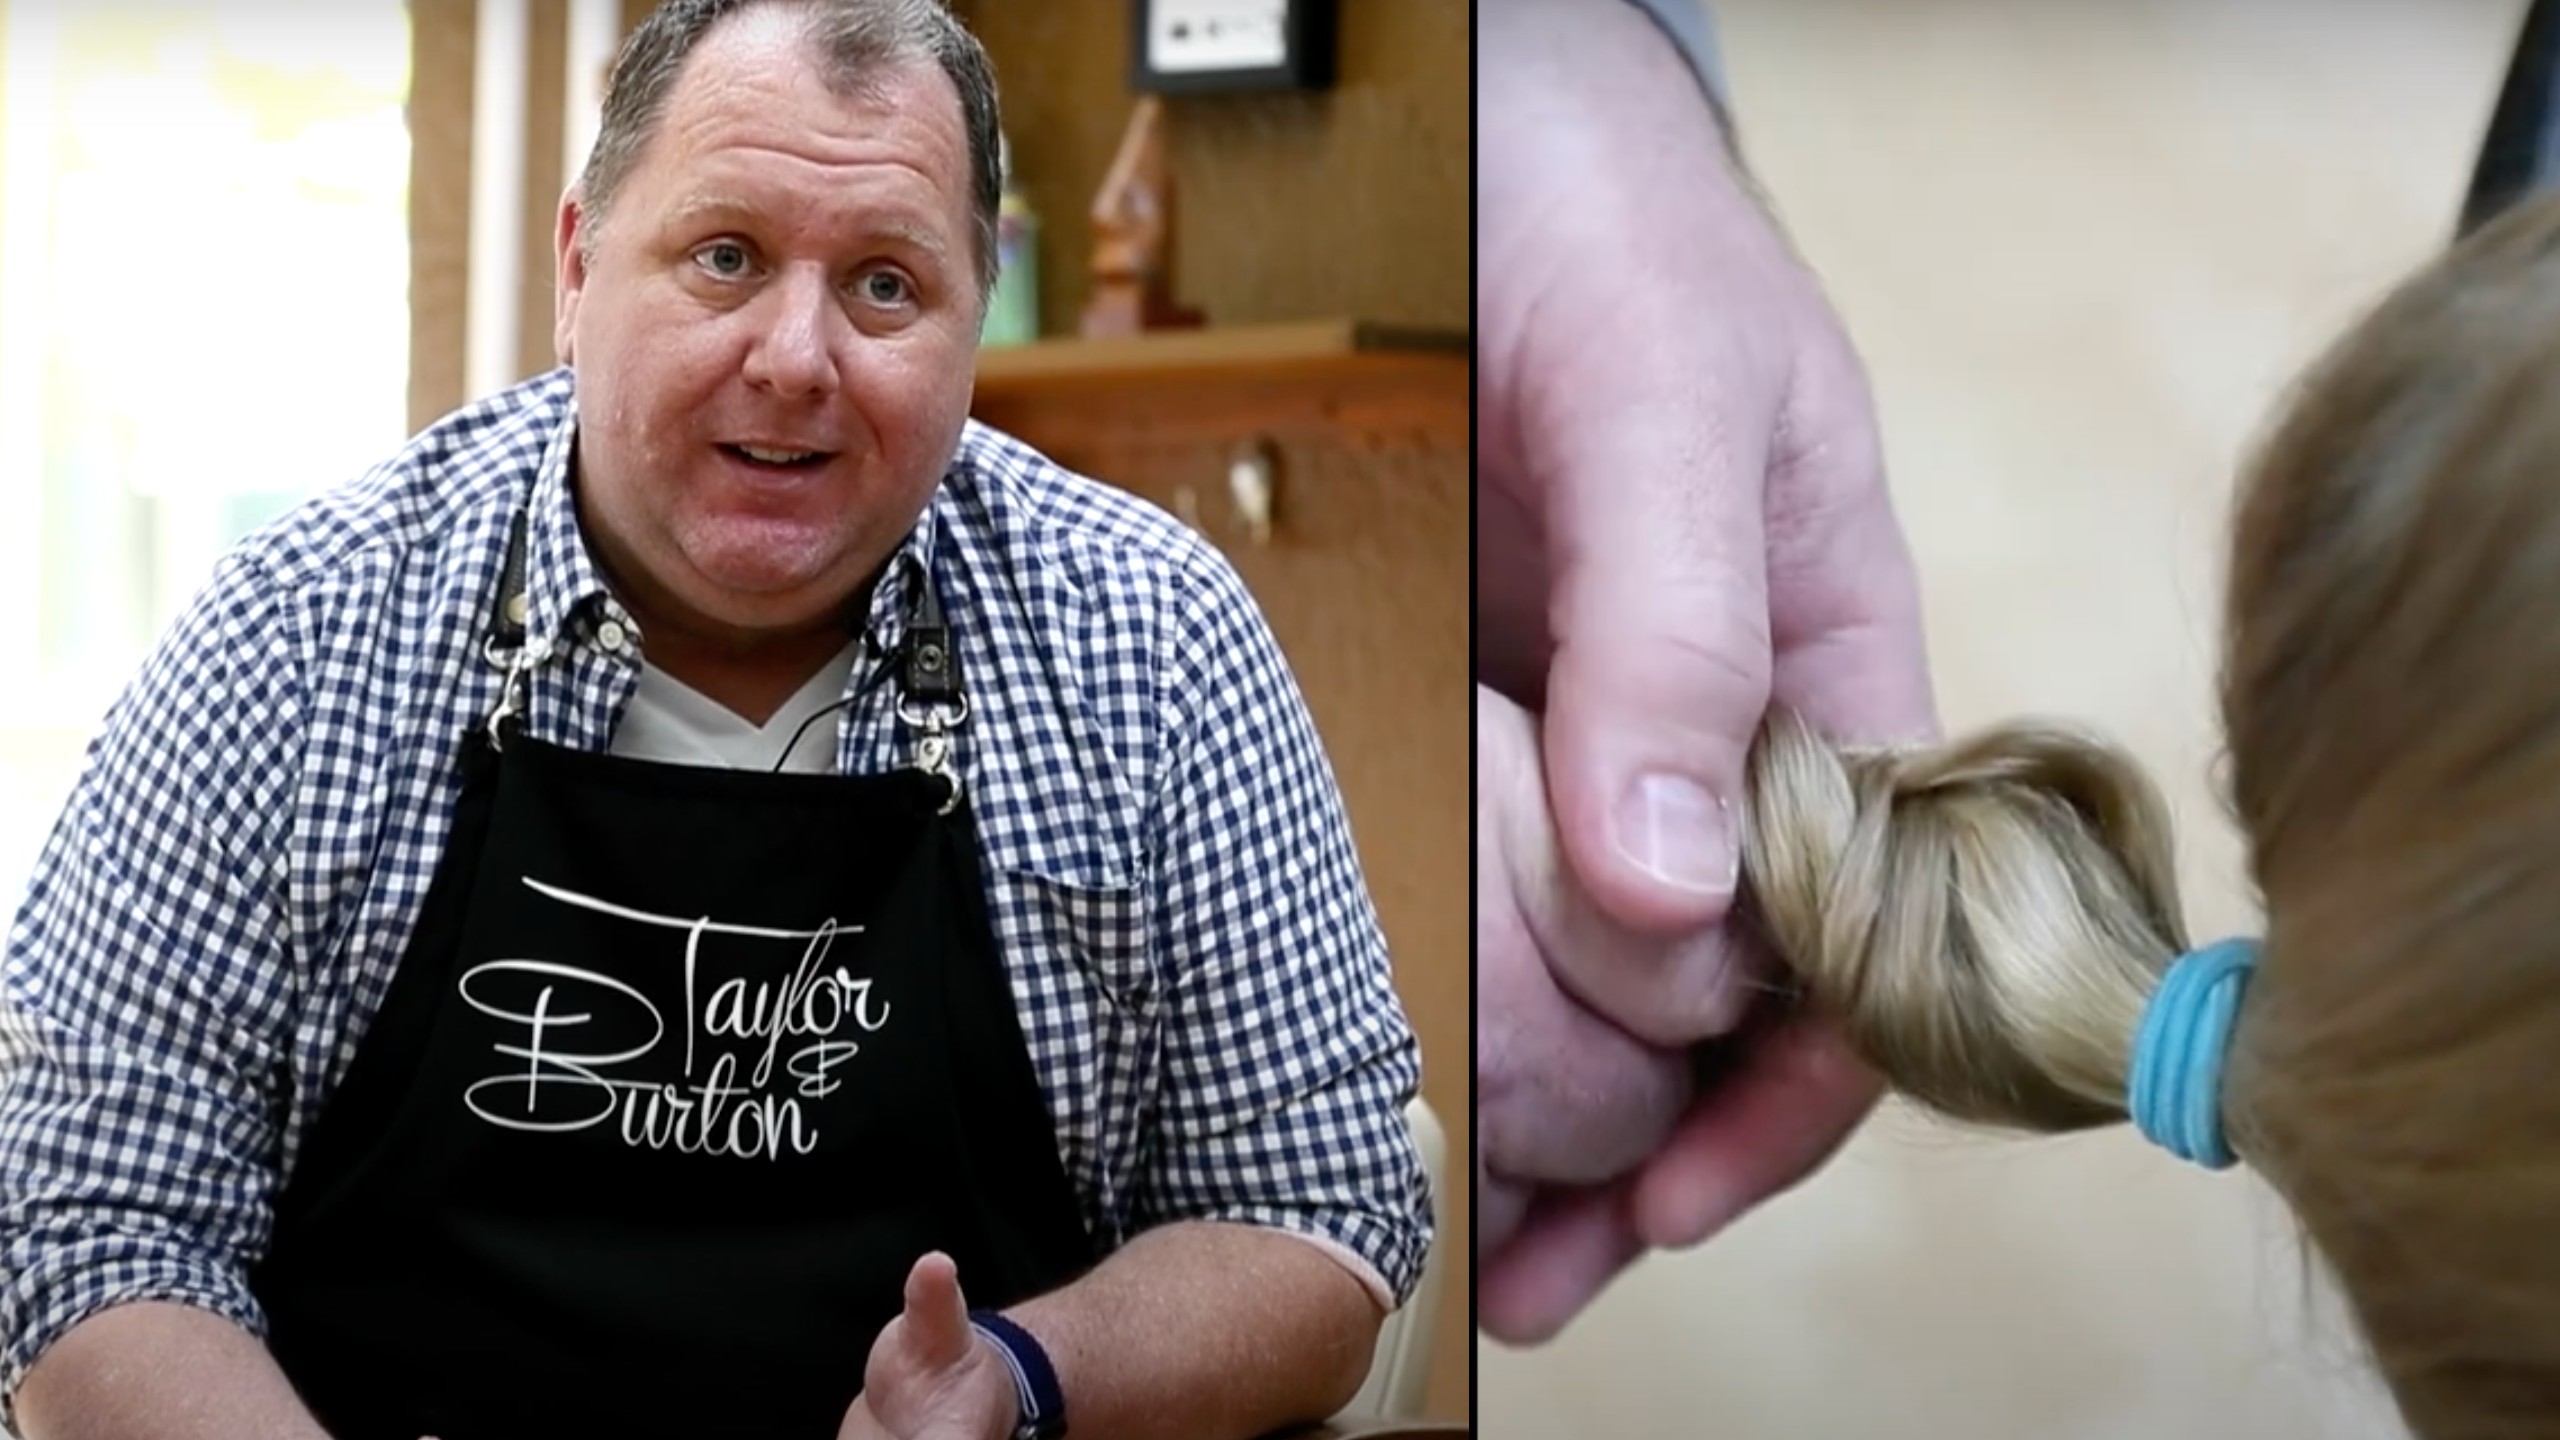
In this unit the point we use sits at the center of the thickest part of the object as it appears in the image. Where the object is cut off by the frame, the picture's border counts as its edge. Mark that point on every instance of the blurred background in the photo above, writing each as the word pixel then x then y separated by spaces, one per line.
pixel 248 246
pixel 202 230
pixel 2084 247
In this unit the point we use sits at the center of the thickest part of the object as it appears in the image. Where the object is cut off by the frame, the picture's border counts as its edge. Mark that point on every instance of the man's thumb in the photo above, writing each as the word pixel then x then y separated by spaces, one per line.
pixel 937 1316
pixel 1658 683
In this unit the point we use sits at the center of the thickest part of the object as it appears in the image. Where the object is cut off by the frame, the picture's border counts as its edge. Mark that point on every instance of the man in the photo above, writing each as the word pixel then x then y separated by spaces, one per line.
pixel 434 1015
pixel 1683 516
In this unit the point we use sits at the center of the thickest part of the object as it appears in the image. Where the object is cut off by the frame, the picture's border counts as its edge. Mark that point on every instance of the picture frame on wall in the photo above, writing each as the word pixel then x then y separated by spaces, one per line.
pixel 1208 47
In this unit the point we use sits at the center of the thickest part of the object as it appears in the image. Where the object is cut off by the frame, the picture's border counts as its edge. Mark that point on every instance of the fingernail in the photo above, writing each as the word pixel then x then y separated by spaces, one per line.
pixel 1679 833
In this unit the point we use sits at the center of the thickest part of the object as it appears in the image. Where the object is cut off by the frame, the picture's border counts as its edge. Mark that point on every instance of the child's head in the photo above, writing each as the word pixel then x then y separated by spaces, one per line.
pixel 1991 918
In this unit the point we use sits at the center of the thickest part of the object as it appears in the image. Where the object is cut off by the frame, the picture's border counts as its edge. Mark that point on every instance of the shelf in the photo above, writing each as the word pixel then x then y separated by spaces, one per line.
pixel 1299 349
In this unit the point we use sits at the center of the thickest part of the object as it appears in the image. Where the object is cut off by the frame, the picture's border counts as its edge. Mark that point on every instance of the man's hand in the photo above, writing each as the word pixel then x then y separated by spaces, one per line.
pixel 1563 1097
pixel 1569 1106
pixel 930 1377
pixel 1683 515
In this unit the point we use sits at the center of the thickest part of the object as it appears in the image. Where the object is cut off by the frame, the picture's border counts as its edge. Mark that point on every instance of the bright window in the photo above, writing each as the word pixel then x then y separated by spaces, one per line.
pixel 204 280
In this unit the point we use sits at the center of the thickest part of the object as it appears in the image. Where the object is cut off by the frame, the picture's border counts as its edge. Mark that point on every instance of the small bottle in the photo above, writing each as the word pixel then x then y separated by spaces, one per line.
pixel 1013 312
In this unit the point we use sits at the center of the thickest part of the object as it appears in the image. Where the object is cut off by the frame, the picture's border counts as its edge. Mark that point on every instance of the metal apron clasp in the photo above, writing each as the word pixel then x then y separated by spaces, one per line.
pixel 935 722
pixel 516 664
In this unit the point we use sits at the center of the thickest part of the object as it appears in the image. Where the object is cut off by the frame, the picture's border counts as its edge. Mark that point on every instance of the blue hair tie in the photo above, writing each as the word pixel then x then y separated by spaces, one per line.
pixel 2175 1091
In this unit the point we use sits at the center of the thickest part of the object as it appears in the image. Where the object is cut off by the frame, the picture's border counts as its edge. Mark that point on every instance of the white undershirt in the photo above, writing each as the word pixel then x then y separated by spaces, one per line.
pixel 670 721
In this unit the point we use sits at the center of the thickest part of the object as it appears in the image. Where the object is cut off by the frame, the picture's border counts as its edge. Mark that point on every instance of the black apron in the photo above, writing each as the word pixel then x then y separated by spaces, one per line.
pixel 682 1071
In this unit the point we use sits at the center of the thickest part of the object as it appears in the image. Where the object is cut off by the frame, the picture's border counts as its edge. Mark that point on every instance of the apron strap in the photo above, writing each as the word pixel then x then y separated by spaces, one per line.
pixel 508 610
pixel 505 646
pixel 932 666
pixel 931 700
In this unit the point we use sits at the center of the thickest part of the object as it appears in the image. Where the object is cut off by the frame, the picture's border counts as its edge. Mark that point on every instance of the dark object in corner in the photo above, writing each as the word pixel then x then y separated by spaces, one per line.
pixel 2520 154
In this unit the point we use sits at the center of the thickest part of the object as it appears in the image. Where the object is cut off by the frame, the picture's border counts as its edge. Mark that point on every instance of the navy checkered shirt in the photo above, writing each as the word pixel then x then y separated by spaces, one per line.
pixel 213 923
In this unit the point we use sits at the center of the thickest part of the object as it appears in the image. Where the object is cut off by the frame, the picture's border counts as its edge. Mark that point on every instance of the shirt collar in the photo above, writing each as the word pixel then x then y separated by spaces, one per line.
pixel 894 598
pixel 562 583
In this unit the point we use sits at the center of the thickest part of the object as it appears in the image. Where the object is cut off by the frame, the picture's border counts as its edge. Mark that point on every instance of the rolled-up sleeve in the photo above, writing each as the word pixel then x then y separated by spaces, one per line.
pixel 1287 1057
pixel 145 998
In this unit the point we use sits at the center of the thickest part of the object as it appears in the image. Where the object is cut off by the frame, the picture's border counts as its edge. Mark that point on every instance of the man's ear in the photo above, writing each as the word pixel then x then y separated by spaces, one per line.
pixel 572 234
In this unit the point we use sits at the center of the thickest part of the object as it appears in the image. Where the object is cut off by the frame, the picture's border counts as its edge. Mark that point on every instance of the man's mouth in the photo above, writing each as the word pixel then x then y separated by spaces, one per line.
pixel 772 457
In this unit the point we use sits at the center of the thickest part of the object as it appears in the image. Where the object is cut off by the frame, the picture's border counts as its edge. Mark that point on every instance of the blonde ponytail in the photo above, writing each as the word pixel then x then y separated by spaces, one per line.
pixel 1987 919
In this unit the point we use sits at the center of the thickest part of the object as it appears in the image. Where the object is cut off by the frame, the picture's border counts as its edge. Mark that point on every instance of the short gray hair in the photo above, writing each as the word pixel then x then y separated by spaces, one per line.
pixel 858 39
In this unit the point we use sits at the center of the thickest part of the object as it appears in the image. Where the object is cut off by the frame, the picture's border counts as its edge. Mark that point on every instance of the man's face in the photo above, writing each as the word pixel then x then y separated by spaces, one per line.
pixel 774 334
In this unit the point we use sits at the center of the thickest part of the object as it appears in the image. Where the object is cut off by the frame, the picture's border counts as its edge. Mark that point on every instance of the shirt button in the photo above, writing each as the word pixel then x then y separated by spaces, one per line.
pixel 613 637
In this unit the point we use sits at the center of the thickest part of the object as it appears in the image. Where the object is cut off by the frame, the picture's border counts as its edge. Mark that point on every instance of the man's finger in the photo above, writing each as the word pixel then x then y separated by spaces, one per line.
pixel 1567 1250
pixel 1793 1094
pixel 1643 422
pixel 1561 1094
pixel 1666 990
pixel 1661 667
pixel 1501 1205
pixel 937 1316
pixel 1849 656
pixel 1669 991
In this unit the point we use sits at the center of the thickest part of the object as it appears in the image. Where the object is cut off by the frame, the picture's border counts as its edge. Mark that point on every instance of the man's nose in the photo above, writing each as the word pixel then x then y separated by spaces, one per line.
pixel 798 324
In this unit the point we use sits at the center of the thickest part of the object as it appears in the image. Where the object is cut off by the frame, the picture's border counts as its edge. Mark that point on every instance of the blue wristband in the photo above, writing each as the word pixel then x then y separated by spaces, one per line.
pixel 1043 1414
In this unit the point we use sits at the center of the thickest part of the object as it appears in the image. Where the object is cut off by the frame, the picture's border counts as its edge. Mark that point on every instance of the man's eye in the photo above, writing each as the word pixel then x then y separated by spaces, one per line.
pixel 886 287
pixel 726 259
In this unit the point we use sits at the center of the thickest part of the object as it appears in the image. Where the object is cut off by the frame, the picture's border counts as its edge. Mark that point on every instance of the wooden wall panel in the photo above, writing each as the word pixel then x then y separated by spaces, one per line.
pixel 545 117
pixel 1351 203
pixel 443 34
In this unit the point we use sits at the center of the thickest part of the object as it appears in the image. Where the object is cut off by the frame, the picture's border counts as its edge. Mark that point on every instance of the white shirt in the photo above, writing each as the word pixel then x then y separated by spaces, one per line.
pixel 670 721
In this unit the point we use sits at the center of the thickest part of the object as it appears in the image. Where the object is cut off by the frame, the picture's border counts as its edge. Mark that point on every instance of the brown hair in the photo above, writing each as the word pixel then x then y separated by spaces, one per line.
pixel 858 39
pixel 1988 918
